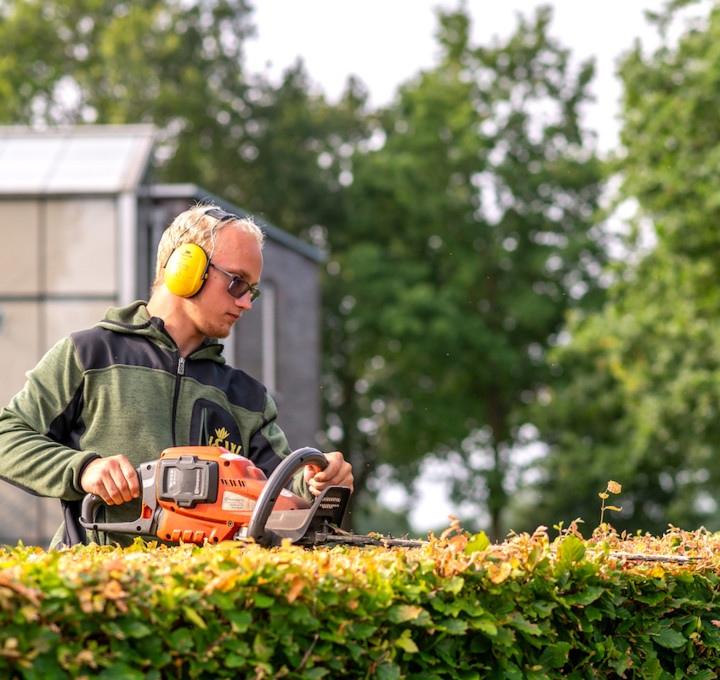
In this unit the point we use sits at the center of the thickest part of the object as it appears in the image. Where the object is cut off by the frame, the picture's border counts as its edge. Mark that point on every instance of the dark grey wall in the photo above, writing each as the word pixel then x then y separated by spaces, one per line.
pixel 291 297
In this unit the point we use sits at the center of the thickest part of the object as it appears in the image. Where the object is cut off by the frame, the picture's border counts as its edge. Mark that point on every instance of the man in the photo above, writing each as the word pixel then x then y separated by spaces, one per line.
pixel 150 376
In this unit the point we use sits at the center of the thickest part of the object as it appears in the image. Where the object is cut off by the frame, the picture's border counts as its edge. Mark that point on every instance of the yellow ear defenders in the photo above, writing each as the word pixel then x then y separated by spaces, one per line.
pixel 186 268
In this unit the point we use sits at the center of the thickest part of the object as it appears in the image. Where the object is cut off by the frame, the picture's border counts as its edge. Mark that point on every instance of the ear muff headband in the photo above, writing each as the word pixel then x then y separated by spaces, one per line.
pixel 186 268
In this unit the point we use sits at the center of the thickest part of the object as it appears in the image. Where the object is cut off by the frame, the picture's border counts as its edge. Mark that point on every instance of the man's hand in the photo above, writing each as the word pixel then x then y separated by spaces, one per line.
pixel 337 473
pixel 113 479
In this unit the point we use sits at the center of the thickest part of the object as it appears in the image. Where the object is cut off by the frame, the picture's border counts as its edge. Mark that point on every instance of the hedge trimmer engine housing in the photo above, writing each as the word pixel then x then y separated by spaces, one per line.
pixel 199 494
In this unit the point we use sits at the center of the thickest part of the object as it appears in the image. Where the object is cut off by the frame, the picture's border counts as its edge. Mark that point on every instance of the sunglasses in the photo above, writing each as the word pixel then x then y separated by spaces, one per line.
pixel 238 286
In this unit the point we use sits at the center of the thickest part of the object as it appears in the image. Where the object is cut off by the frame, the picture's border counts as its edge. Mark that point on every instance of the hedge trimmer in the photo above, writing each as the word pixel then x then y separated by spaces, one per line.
pixel 199 494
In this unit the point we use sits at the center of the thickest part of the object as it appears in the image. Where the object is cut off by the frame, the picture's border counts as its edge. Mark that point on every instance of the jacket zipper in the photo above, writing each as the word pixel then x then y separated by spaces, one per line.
pixel 178 378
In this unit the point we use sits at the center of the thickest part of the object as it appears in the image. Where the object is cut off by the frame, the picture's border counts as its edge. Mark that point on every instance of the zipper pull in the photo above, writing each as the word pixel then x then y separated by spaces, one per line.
pixel 181 366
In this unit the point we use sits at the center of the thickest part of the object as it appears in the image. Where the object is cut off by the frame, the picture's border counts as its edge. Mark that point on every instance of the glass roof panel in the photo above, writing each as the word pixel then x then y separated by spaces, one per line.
pixel 84 159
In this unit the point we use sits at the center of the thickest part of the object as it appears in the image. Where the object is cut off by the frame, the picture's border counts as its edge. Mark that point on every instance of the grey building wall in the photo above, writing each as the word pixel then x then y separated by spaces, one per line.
pixel 279 341
pixel 68 206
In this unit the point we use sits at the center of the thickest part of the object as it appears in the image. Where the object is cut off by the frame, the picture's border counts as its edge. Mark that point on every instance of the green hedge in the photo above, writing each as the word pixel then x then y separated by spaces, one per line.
pixel 527 608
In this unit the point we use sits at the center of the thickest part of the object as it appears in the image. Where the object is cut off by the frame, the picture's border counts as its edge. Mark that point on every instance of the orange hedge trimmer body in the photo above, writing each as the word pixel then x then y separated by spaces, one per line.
pixel 199 494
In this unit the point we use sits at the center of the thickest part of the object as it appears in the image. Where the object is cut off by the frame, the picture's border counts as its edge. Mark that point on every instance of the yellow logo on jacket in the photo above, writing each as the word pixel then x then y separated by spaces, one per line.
pixel 221 439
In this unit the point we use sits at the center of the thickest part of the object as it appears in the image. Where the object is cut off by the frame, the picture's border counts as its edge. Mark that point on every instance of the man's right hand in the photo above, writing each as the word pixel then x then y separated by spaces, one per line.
pixel 114 479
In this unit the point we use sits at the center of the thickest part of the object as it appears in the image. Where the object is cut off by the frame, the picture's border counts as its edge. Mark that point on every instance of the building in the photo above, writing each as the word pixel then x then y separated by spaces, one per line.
pixel 81 218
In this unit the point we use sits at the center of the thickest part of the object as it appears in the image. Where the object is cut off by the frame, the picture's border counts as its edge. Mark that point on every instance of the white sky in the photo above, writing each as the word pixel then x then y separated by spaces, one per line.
pixel 386 42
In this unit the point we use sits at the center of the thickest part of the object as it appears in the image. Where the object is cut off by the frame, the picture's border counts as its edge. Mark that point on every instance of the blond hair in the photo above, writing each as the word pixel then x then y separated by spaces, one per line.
pixel 196 226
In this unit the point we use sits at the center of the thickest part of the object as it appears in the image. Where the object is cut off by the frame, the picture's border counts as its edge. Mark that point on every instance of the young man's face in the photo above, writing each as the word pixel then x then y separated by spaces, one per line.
pixel 213 310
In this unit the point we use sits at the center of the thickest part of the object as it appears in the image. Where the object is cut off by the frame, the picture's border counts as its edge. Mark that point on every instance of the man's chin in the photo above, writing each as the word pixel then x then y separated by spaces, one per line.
pixel 218 333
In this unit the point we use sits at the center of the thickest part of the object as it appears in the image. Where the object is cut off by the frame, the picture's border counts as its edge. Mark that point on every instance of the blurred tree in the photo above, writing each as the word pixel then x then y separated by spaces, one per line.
pixel 174 64
pixel 641 403
pixel 291 169
pixel 469 235
pixel 275 150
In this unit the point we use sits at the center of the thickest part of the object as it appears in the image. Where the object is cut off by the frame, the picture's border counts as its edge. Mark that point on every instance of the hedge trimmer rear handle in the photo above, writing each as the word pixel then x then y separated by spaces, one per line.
pixel 143 525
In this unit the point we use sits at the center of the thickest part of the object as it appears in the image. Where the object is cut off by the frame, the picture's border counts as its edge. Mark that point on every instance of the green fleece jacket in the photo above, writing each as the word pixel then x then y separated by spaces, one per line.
pixel 121 387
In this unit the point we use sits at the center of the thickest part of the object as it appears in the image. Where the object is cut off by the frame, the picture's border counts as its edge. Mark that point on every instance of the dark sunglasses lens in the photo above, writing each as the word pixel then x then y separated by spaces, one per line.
pixel 238 287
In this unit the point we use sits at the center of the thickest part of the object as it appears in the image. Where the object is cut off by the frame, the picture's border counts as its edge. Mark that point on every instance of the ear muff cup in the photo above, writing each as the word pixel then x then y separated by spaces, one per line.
pixel 186 270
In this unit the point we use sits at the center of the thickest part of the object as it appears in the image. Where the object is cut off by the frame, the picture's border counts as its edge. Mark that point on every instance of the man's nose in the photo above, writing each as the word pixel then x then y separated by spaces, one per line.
pixel 244 301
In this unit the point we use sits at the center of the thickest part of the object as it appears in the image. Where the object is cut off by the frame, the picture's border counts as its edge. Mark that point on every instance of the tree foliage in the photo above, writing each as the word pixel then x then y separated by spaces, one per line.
pixel 641 403
pixel 469 235
pixel 180 66
pixel 174 64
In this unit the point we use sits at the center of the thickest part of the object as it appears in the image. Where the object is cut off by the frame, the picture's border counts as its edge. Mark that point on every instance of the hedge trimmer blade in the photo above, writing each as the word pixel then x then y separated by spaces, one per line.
pixel 336 536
